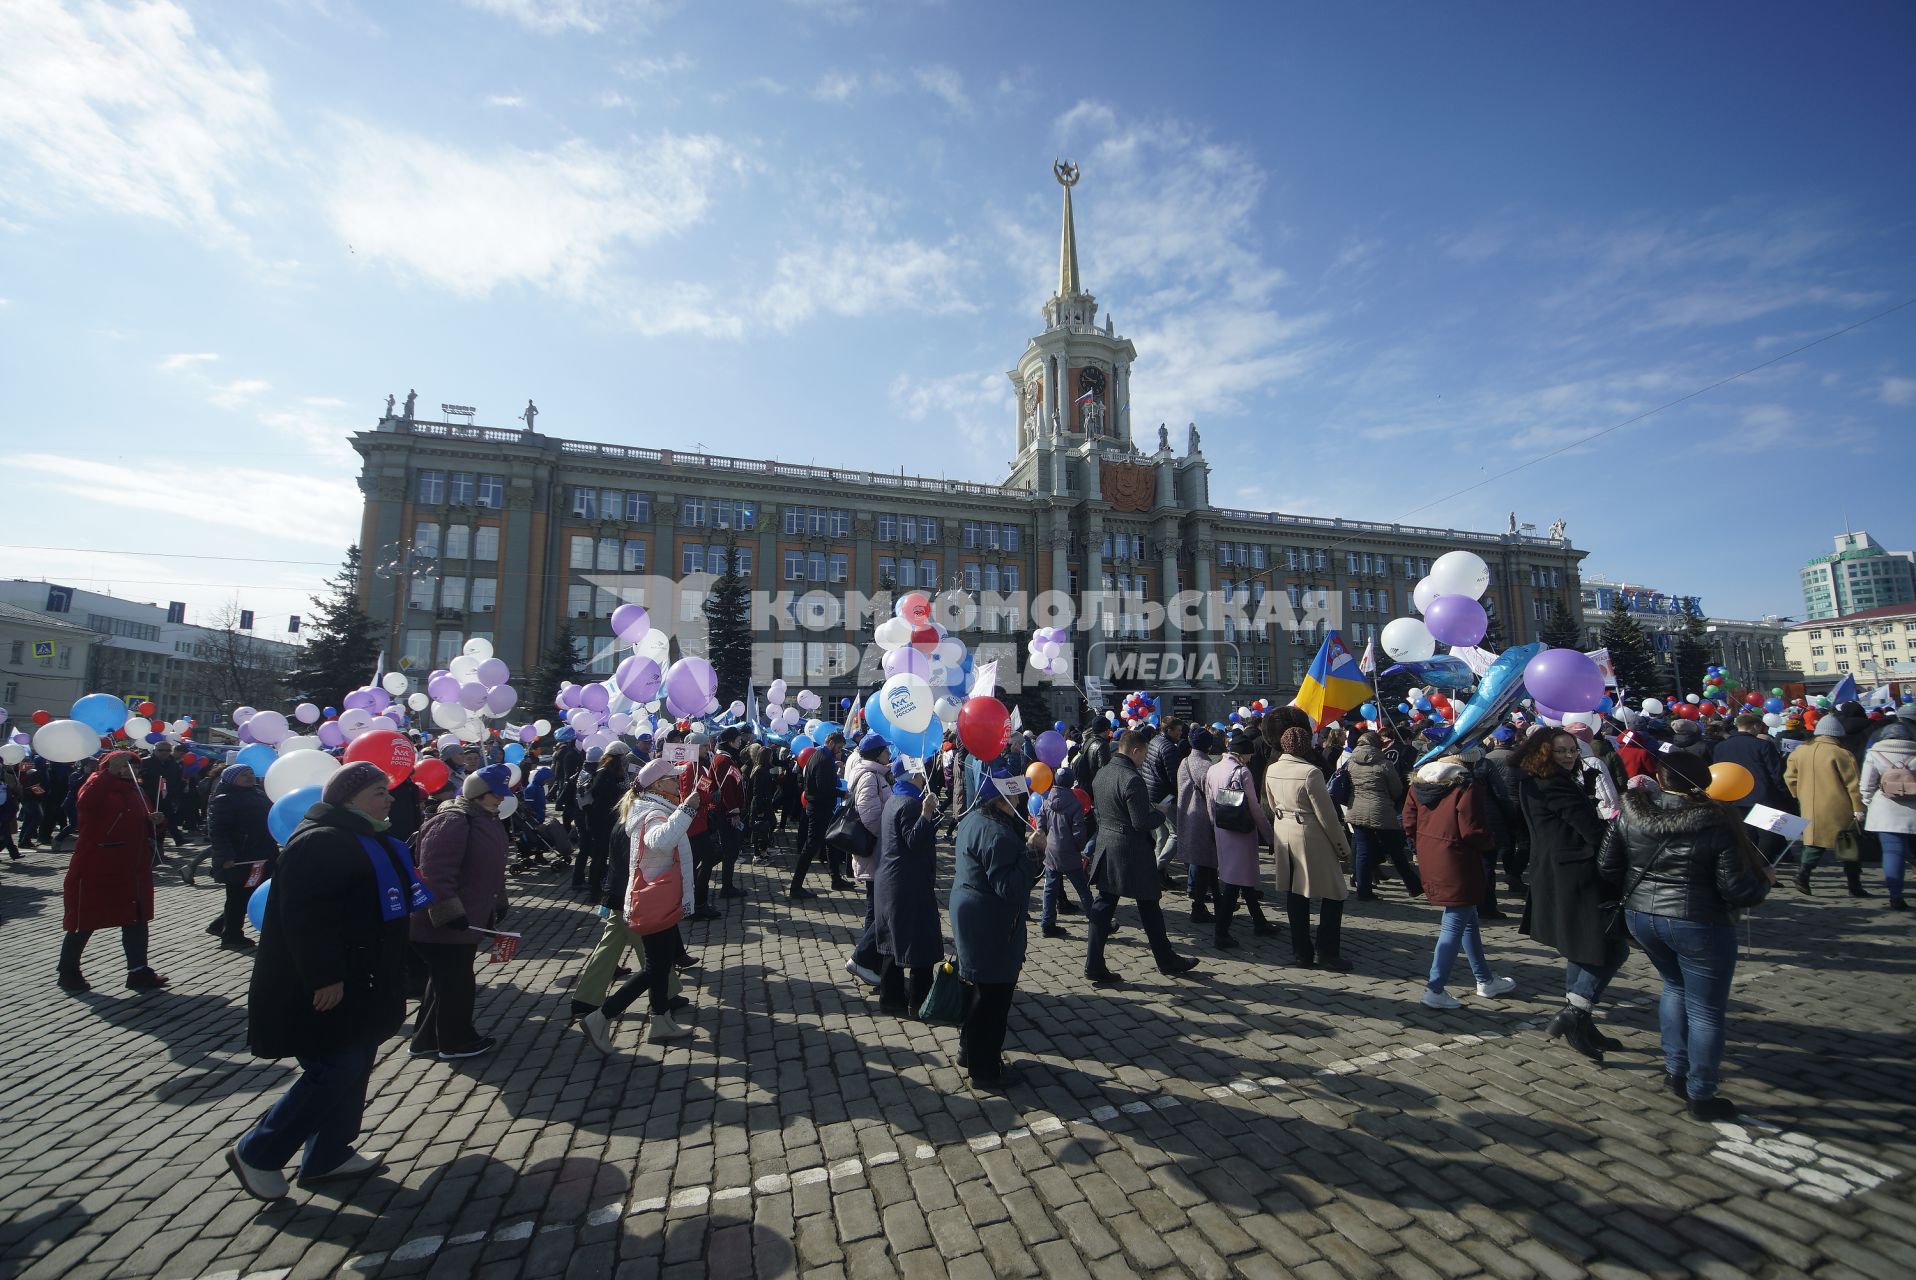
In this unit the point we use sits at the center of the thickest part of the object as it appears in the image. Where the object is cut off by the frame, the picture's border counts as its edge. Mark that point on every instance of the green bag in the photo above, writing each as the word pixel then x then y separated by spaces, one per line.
pixel 945 1002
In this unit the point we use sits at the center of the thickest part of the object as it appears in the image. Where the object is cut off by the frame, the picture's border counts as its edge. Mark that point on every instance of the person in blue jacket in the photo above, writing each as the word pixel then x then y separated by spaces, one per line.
pixel 996 861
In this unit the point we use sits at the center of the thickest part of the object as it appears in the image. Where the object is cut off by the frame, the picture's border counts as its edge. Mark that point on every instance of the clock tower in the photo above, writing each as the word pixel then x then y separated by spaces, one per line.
pixel 1073 382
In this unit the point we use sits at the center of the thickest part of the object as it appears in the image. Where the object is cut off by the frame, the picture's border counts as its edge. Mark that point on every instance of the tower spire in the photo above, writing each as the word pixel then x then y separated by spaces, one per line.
pixel 1068 286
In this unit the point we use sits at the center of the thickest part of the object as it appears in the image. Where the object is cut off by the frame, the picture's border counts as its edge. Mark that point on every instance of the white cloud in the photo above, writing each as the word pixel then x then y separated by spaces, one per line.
pixel 551 17
pixel 855 279
pixel 236 393
pixel 653 68
pixel 186 360
pixel 945 83
pixel 303 507
pixel 126 109
pixel 684 308
pixel 612 99
pixel 506 100
pixel 980 406
pixel 552 219
pixel 1898 391
pixel 835 86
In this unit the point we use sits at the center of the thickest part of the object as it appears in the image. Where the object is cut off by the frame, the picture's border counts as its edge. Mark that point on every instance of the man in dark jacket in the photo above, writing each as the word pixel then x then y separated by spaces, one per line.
pixel 729 792
pixel 821 798
pixel 1750 746
pixel 329 981
pixel 160 782
pixel 1687 736
pixel 1123 866
pixel 567 759
pixel 1502 757
pixel 1094 753
pixel 243 849
pixel 599 794
pixel 1161 760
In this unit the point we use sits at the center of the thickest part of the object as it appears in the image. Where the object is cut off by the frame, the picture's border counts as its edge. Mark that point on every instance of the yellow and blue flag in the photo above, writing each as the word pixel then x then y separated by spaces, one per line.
pixel 1333 687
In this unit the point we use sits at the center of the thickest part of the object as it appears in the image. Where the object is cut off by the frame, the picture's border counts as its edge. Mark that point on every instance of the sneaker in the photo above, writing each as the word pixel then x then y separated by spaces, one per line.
pixel 1441 1000
pixel 1712 1110
pixel 353 1166
pixel 860 972
pixel 145 979
pixel 1496 987
pixel 261 1184
pixel 665 1027
pixel 598 1030
pixel 478 1048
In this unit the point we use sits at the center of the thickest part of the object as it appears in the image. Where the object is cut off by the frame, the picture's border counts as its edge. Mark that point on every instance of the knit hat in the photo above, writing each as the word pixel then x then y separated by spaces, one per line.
pixel 1907 713
pixel 494 779
pixel 1685 731
pixel 871 746
pixel 566 733
pixel 352 780
pixel 653 771
pixel 1829 726
pixel 698 739
pixel 617 748
pixel 1240 743
pixel 1204 741
pixel 1294 742
pixel 1064 778
pixel 1684 768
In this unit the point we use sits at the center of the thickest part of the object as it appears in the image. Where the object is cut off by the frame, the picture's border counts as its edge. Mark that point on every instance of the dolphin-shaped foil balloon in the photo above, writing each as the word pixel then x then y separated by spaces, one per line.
pixel 1443 671
pixel 1497 692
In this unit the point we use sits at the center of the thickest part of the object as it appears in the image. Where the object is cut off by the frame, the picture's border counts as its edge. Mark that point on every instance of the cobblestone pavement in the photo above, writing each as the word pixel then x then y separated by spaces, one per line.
pixel 1250 1120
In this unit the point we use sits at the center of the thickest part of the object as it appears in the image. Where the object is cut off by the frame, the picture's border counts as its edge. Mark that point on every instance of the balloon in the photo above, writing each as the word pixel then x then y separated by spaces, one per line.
pixel 354 720
pixel 268 727
pixel 431 774
pixel 65 741
pixel 418 702
pixel 908 661
pixel 241 715
pixel 1038 776
pixel 1034 804
pixel 1408 640
pixel 1460 573
pixel 946 709
pixel 1457 620
pixel 387 749
pixel 443 687
pixel 256 905
pixel 1050 747
pixel 508 807
pixel 331 736
pixel 1692 699
pixel 306 713
pixel 394 682
pixel 595 697
pixel 689 685
pixel 472 695
pixel 493 673
pixel 807 700
pixel 463 668
pixel 630 622
pixel 137 727
pixel 1368 711
pixel 984 727
pixel 1772 703
pixel 12 753
pixel 501 700
pixel 1652 707
pixel 776 691
pixel 1422 594
pixel 259 758
pixel 1729 782
pixel 925 638
pixel 101 712
pixel 296 742
pixel 478 649
pixel 875 719
pixel 1565 679
pixel 288 810
pixel 638 678
pixel 514 753
pixel 922 744
pixel 292 773
pixel 42 717
pixel 893 633
pixel 907 700
pixel 914 607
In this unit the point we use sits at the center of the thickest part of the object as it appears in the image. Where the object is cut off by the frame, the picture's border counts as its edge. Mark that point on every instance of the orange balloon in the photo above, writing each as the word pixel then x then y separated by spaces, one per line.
pixel 1038 775
pixel 1729 782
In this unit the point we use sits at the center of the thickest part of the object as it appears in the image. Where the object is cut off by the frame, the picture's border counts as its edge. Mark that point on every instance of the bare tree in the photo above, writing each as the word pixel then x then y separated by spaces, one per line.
pixel 231 668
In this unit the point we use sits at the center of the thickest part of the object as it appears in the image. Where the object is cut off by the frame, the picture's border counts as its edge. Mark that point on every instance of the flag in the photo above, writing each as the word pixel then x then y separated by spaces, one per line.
pixel 246 620
pixel 751 704
pixel 1333 687
pixel 1845 691
pixel 1368 663
pixel 1881 696
pixel 1089 395
pixel 379 668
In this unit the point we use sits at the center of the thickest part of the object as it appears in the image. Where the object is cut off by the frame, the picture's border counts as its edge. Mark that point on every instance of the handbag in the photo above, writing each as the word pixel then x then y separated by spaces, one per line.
pixel 655 905
pixel 1230 809
pixel 847 835
pixel 945 1003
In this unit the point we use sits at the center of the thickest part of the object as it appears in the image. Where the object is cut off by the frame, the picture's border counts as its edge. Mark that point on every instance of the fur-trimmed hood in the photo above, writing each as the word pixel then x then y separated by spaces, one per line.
pixel 1439 776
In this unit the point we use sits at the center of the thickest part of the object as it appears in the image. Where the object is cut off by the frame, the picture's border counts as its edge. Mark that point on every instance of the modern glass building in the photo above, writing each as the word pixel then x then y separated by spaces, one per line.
pixel 1859 575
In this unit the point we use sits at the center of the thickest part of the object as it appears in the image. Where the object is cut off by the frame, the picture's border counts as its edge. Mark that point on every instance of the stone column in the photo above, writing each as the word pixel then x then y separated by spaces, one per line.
pixel 1202 548
pixel 1092 582
pixel 1121 402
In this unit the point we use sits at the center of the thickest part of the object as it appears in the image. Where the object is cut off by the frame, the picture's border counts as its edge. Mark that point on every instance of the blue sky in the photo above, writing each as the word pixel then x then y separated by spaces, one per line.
pixel 1378 253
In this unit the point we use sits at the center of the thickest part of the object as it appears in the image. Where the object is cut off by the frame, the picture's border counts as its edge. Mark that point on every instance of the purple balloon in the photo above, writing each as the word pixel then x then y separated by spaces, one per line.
pixel 493 673
pixel 379 700
pixel 528 734
pixel 502 699
pixel 595 698
pixel 638 678
pixel 331 735
pixel 569 697
pixel 443 687
pixel 1564 678
pixel 630 622
pixel 1548 713
pixel 357 698
pixel 689 685
pixel 905 660
pixel 472 695
pixel 1456 620
pixel 1050 747
pixel 245 735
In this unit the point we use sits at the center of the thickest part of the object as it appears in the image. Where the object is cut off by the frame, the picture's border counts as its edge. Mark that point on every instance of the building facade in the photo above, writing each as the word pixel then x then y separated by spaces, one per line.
pixel 1857 577
pixel 1752 651
pixel 1876 646
pixel 506 533
pixel 140 652
pixel 43 664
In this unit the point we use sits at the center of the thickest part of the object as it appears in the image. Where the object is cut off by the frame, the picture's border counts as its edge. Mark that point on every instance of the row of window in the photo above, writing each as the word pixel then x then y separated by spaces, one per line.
pixel 992 537
pixel 817 566
pixel 477 595
pixel 423 652
pixel 1124 546
pixel 460 542
pixel 1909 628
pixel 461 489
pixel 18 657
pixel 921 531
pixel 818 521
pixel 909 573
pixel 611 504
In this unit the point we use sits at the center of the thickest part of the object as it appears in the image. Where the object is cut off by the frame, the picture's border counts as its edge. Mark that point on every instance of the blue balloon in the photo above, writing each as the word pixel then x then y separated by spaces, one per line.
pixel 922 744
pixel 1057 726
pixel 1033 804
pixel 1368 711
pixel 875 719
pixel 514 753
pixel 1497 692
pixel 330 712
pixel 256 905
pixel 800 742
pixel 259 758
pixel 1773 704
pixel 844 704
pixel 288 810
pixel 1423 704
pixel 1403 708
pixel 101 712
pixel 1607 704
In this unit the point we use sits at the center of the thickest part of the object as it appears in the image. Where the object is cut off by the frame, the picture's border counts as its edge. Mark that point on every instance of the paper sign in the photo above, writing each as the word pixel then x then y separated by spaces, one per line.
pixel 504 945
pixel 678 752
pixel 1787 825
pixel 1787 745
pixel 1602 658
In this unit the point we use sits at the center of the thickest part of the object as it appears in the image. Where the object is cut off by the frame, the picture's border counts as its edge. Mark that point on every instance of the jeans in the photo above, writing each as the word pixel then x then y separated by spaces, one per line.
pixel 1166 837
pixel 1105 910
pixel 132 942
pixel 1368 844
pixel 1584 986
pixel 866 955
pixel 445 1015
pixel 661 950
pixel 982 1037
pixel 1895 854
pixel 1697 962
pixel 1459 929
pixel 320 1112
pixel 1330 928
pixel 1048 906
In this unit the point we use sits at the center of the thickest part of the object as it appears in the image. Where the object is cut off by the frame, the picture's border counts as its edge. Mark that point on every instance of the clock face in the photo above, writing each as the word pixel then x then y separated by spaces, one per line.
pixel 1091 380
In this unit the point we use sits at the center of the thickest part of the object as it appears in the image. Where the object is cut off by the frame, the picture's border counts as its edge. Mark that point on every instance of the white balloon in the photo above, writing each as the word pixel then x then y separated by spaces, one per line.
pixel 1422 594
pixel 306 713
pixel 268 727
pixel 512 774
pixel 353 721
pixel 792 715
pixel 1652 707
pixel 811 729
pixel 892 633
pixel 542 727
pixel 807 700
pixel 301 769
pixel 463 669
pixel 137 727
pixel 478 649
pixel 418 702
pixel 619 722
pixel 776 693
pixel 380 722
pixel 473 730
pixel 946 710
pixel 907 702
pixel 508 807
pixel 1408 640
pixel 1460 573
pixel 298 742
pixel 12 753
pixel 394 682
pixel 449 716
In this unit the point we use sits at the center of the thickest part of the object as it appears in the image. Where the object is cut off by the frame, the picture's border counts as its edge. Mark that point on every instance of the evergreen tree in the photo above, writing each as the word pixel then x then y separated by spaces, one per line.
pixel 1692 649
pixel 558 663
pixel 1495 640
pixel 1631 656
pixel 1561 630
pixel 341 643
pixel 728 629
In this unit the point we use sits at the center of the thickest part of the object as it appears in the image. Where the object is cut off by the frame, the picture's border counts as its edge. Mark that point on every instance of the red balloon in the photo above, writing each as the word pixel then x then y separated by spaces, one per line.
pixel 43 717
pixel 924 638
pixel 386 748
pixel 145 709
pixel 432 774
pixel 805 756
pixel 984 726
pixel 915 607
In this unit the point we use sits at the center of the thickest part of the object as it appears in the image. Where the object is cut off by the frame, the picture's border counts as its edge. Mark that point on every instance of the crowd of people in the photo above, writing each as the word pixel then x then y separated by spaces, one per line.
pixel 383 893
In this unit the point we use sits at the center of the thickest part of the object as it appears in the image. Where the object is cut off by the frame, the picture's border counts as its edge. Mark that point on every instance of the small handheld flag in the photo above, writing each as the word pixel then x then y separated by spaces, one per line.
pixel 1333 687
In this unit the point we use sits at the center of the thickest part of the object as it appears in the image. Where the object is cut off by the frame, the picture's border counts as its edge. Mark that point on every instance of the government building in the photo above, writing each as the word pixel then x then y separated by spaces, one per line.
pixel 508 533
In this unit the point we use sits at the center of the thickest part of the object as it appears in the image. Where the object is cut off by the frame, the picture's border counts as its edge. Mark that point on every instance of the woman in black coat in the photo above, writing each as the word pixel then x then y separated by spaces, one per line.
pixel 244 851
pixel 329 981
pixel 1567 895
pixel 910 930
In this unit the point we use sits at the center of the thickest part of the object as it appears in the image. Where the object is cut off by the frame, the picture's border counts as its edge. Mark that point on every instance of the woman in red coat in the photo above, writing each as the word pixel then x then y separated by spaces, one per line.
pixel 1443 818
pixel 109 883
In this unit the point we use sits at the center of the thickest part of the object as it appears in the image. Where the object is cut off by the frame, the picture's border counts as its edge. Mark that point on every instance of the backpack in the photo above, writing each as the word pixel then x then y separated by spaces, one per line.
pixel 1898 783
pixel 1342 789
pixel 653 906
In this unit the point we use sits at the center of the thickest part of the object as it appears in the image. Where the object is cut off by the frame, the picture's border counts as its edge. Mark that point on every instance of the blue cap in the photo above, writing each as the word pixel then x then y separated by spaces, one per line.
pixel 1504 733
pixel 497 777
pixel 871 745
pixel 565 734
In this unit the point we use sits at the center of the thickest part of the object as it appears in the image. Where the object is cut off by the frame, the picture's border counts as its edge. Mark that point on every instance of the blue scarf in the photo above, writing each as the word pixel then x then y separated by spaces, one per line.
pixel 395 903
pixel 903 787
